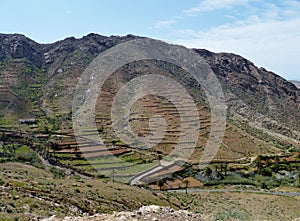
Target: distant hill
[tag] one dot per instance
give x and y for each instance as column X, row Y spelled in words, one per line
column 297, row 83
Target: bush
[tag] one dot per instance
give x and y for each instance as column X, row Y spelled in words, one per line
column 230, row 214
column 266, row 172
column 233, row 179
column 57, row 173
column 26, row 155
column 1, row 181
column 267, row 182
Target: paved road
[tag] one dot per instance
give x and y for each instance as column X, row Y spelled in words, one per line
column 163, row 164
column 136, row 179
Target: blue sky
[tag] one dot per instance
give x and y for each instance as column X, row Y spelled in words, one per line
column 265, row 31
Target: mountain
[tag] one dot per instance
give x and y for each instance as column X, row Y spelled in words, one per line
column 38, row 81
column 297, row 83
column 28, row 69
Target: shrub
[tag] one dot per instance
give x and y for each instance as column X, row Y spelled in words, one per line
column 1, row 181
column 57, row 173
column 266, row 172
column 26, row 155
column 230, row 214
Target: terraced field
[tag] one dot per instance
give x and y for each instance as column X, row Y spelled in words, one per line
column 159, row 123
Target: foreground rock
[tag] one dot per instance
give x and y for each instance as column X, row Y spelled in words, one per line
column 147, row 213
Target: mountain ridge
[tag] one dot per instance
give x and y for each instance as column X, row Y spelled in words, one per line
column 43, row 78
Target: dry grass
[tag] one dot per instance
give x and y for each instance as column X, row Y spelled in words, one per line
column 26, row 189
column 239, row 205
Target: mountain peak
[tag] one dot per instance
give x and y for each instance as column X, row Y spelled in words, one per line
column 18, row 46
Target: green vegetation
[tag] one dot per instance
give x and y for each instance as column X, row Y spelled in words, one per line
column 232, row 179
column 26, row 155
column 230, row 214
column 19, row 153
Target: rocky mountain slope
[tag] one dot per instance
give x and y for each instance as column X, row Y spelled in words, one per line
column 38, row 81
column 255, row 93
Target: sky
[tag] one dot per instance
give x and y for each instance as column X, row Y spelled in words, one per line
column 267, row 32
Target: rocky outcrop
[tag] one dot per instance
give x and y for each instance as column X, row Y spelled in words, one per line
column 18, row 46
column 256, row 94
column 147, row 213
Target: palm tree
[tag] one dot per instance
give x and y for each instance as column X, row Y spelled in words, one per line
column 276, row 158
column 225, row 168
column 186, row 182
column 208, row 172
column 258, row 164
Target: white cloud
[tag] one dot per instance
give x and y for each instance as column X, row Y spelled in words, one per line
column 269, row 36
column 211, row 5
column 272, row 11
column 273, row 44
column 164, row 24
